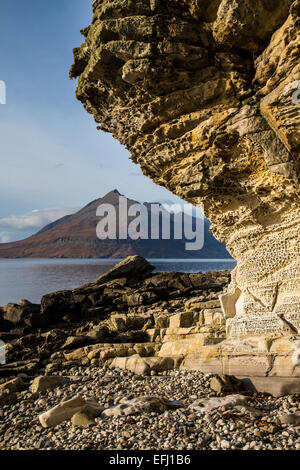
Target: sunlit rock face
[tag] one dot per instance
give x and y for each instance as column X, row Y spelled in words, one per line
column 204, row 95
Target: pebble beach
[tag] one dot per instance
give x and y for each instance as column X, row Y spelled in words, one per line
column 257, row 424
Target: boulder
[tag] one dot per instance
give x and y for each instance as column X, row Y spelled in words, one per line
column 14, row 313
column 55, row 305
column 83, row 419
column 82, row 300
column 131, row 268
column 212, row 317
column 122, row 322
column 5, row 325
column 76, row 354
column 65, row 410
column 29, row 306
column 160, row 364
column 8, row 391
column 144, row 365
column 119, row 322
column 74, row 342
column 146, row 349
column 131, row 337
column 46, row 382
column 86, row 415
column 12, row 386
column 135, row 364
column 24, row 312
column 99, row 334
column 225, row 384
column 37, row 320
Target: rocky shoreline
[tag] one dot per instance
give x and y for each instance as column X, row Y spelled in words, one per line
column 129, row 311
column 103, row 367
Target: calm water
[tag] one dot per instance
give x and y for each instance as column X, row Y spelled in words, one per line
column 32, row 278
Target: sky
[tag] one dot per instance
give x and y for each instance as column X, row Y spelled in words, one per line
column 53, row 160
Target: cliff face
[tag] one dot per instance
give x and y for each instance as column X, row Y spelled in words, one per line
column 204, row 95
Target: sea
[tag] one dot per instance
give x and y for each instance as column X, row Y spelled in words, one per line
column 31, row 278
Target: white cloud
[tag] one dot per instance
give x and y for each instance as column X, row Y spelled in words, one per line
column 32, row 221
column 5, row 237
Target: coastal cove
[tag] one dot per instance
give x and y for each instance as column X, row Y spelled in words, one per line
column 31, row 278
column 150, row 229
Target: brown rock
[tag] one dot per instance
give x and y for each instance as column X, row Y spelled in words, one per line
column 290, row 418
column 8, row 398
column 12, row 386
column 86, row 416
column 225, row 383
column 65, row 410
column 46, row 382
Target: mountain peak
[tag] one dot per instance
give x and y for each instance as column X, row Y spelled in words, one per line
column 74, row 236
column 113, row 191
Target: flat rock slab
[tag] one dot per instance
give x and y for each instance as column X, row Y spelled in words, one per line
column 205, row 405
column 46, row 382
column 276, row 386
column 140, row 405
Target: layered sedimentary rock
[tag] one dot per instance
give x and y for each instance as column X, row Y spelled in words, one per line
column 205, row 95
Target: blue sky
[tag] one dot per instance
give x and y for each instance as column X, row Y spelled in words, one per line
column 53, row 160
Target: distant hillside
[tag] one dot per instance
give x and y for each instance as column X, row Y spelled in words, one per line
column 74, row 236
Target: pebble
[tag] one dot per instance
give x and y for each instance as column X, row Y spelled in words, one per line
column 173, row 429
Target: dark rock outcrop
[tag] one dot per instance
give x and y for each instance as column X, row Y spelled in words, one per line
column 120, row 313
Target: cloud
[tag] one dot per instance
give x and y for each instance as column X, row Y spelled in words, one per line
column 5, row 237
column 31, row 221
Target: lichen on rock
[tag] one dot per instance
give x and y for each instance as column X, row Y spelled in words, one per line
column 201, row 93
